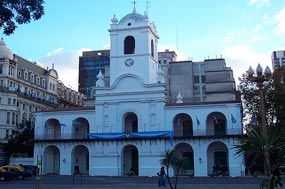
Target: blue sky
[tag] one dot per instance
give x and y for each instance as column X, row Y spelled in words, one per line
column 244, row 32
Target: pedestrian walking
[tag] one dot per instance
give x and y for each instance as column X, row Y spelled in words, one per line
column 161, row 174
column 276, row 176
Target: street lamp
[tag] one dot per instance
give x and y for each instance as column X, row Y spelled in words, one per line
column 259, row 78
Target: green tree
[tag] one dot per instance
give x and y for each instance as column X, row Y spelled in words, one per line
column 254, row 145
column 279, row 93
column 253, row 94
column 274, row 102
column 21, row 141
column 14, row 12
column 251, row 102
column 171, row 160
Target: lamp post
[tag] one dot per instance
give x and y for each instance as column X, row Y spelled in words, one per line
column 259, row 78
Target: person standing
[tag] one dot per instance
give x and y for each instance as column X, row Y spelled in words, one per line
column 276, row 176
column 131, row 172
column 161, row 174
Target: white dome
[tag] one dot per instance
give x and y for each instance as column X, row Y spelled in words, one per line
column 134, row 17
column 4, row 51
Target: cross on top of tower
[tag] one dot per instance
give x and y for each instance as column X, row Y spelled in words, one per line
column 147, row 6
column 134, row 2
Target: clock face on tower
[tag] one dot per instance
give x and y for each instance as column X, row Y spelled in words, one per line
column 129, row 62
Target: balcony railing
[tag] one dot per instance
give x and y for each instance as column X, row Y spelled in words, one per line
column 195, row 133
column 28, row 97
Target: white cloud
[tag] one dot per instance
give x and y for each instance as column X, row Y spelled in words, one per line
column 256, row 38
column 280, row 20
column 265, row 17
column 55, row 51
column 259, row 2
column 240, row 57
column 257, row 28
column 233, row 35
column 66, row 64
column 107, row 46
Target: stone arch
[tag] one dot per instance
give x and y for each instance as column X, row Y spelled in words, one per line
column 51, row 161
column 217, row 154
column 182, row 125
column 216, row 124
column 129, row 45
column 130, row 159
column 185, row 151
column 80, row 158
column 130, row 122
column 52, row 129
column 80, row 126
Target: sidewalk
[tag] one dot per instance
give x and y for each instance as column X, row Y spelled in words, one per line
column 105, row 182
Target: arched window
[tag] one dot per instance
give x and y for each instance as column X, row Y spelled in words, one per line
column 129, row 45
column 152, row 48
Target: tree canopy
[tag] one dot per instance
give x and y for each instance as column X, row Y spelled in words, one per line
column 21, row 141
column 251, row 102
column 279, row 93
column 170, row 159
column 13, row 12
column 257, row 147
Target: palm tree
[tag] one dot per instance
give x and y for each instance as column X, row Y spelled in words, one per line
column 171, row 160
column 256, row 145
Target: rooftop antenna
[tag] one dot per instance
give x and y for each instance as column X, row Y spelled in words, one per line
column 134, row 2
column 176, row 38
column 147, row 6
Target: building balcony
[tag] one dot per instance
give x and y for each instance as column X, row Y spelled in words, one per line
column 143, row 135
column 28, row 97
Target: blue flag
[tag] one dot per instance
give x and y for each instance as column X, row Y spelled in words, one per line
column 233, row 119
column 198, row 122
column 76, row 123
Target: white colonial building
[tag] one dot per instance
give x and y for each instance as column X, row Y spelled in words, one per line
column 133, row 123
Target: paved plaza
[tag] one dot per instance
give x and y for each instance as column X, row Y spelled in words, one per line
column 102, row 182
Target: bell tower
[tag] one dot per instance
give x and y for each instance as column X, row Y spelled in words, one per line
column 133, row 42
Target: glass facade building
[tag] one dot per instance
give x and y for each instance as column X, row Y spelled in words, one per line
column 278, row 59
column 90, row 64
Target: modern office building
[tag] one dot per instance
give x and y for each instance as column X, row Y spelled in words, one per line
column 26, row 87
column 90, row 64
column 135, row 120
column 278, row 59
